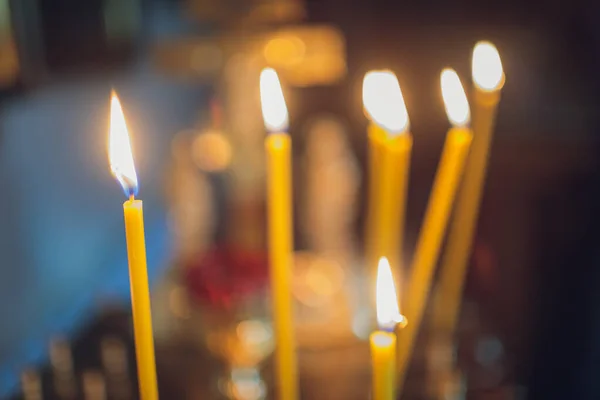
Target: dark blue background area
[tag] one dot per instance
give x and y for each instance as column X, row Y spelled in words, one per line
column 62, row 241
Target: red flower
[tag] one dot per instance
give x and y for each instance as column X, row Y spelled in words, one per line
column 224, row 276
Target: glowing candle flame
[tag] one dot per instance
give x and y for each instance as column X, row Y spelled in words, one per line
column 274, row 110
column 455, row 99
column 487, row 71
column 388, row 313
column 383, row 101
column 119, row 149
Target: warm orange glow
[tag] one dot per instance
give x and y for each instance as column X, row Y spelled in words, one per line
column 284, row 50
column 119, row 149
column 487, row 71
column 388, row 312
column 455, row 99
column 274, row 110
column 211, row 151
column 383, row 101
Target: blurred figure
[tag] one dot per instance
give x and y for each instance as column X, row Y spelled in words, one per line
column 31, row 385
column 331, row 182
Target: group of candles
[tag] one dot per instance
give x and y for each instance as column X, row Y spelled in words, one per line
column 390, row 144
column 465, row 150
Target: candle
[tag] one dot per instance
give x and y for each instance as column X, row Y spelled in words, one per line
column 278, row 146
column 488, row 78
column 383, row 341
column 390, row 146
column 430, row 238
column 122, row 166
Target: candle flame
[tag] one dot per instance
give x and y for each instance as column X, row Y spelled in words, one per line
column 455, row 99
column 383, row 101
column 388, row 312
column 274, row 110
column 487, row 71
column 119, row 149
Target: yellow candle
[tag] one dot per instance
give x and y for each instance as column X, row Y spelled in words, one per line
column 121, row 161
column 390, row 146
column 430, row 238
column 383, row 358
column 278, row 146
column 383, row 341
column 488, row 78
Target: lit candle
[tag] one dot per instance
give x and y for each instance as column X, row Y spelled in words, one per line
column 390, row 144
column 121, row 163
column 430, row 238
column 383, row 341
column 488, row 78
column 278, row 146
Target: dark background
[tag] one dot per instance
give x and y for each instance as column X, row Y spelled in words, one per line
column 536, row 278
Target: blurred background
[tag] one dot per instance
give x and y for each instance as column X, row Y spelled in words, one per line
column 187, row 75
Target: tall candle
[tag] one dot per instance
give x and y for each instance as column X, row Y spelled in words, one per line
column 122, row 166
column 383, row 341
column 278, row 146
column 488, row 79
column 390, row 144
column 438, row 211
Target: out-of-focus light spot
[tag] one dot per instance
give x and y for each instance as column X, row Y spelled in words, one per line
column 488, row 351
column 274, row 109
column 320, row 282
column 285, row 50
column 211, row 152
column 253, row 333
column 455, row 98
column 361, row 323
column 487, row 67
column 383, row 101
column 317, row 280
column 307, row 55
column 246, row 384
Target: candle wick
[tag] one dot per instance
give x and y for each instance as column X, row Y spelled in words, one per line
column 131, row 197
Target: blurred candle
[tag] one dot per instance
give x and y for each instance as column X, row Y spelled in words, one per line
column 488, row 78
column 383, row 341
column 113, row 353
column 121, row 163
column 432, row 232
column 390, row 145
column 63, row 373
column 31, row 385
column 278, row 146
column 94, row 387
